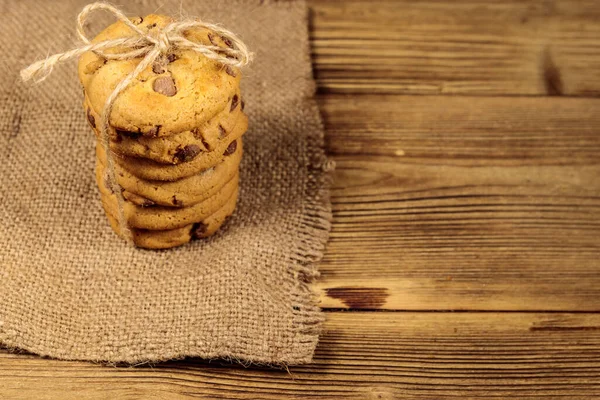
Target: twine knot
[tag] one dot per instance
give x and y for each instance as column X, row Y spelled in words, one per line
column 145, row 45
column 163, row 43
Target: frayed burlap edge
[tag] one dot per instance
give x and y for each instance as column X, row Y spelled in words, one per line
column 313, row 233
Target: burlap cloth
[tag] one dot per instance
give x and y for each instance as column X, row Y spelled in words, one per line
column 69, row 288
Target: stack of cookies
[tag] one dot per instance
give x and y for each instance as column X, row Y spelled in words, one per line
column 175, row 136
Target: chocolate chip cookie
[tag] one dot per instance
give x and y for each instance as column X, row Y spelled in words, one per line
column 178, row 147
column 163, row 218
column 176, row 237
column 180, row 193
column 152, row 170
column 180, row 92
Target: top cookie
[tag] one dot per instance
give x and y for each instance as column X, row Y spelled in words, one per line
column 180, row 91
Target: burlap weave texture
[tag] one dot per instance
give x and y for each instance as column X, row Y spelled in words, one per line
column 70, row 288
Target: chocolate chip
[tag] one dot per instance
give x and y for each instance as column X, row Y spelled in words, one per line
column 227, row 41
column 198, row 229
column 211, row 37
column 153, row 132
column 231, row 148
column 243, row 105
column 187, row 153
column 230, row 70
column 148, row 203
column 127, row 134
column 165, row 85
column 151, row 25
column 206, row 145
column 234, row 102
column 158, row 67
column 176, row 202
column 91, row 118
column 222, row 131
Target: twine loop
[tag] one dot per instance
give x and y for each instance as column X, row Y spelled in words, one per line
column 148, row 46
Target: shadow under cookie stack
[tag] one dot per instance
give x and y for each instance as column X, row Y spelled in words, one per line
column 175, row 137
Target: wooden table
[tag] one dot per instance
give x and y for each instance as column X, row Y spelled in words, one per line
column 464, row 259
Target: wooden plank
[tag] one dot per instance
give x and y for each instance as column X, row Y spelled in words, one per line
column 360, row 356
column 513, row 47
column 463, row 203
column 464, row 130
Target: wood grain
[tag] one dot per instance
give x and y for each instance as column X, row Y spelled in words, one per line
column 514, row 47
column 360, row 356
column 463, row 203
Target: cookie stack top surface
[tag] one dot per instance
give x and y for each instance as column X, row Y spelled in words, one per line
column 180, row 91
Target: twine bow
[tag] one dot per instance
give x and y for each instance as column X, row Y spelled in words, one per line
column 148, row 46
